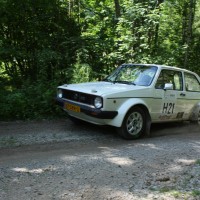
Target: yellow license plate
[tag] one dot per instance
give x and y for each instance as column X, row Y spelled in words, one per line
column 72, row 107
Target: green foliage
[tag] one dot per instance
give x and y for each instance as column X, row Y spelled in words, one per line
column 198, row 162
column 32, row 101
column 81, row 73
column 196, row 193
column 37, row 39
column 98, row 33
column 47, row 43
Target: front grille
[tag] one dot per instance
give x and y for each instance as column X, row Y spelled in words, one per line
column 78, row 97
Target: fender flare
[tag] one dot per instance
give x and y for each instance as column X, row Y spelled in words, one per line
column 125, row 107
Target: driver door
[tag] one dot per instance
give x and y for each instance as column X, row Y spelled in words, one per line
column 168, row 89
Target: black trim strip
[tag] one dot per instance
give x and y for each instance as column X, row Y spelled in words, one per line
column 188, row 99
column 192, row 91
column 100, row 114
column 146, row 98
column 94, row 112
column 134, row 98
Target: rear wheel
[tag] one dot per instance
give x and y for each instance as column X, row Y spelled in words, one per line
column 198, row 118
column 134, row 123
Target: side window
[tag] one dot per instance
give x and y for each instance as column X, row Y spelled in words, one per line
column 170, row 76
column 191, row 83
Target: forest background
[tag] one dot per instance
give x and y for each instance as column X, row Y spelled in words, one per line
column 45, row 43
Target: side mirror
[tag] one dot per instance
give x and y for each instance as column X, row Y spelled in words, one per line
column 168, row 86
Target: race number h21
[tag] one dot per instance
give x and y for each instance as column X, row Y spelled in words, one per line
column 168, row 108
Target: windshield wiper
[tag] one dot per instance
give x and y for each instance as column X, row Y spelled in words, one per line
column 107, row 80
column 125, row 82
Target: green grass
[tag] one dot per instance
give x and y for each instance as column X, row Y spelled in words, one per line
column 196, row 193
column 172, row 191
column 8, row 142
column 178, row 194
column 168, row 189
column 165, row 189
column 197, row 162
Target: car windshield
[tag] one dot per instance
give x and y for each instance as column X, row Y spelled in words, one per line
column 141, row 75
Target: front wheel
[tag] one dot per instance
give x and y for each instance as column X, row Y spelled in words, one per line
column 133, row 125
column 197, row 118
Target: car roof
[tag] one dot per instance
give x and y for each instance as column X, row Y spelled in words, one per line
column 161, row 67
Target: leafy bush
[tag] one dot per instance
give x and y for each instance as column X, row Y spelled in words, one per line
column 81, row 73
column 33, row 101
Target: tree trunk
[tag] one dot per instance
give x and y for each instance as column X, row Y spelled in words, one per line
column 117, row 9
column 157, row 26
column 187, row 30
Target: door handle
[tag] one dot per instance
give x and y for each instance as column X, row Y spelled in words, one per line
column 182, row 94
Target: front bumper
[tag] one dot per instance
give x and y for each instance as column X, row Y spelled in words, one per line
column 93, row 112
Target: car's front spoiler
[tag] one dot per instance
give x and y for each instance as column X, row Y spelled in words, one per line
column 88, row 110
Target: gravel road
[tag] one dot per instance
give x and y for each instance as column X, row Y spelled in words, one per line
column 56, row 159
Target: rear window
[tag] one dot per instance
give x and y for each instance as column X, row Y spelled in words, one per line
column 191, row 83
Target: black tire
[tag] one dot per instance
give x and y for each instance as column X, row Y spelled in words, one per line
column 197, row 120
column 134, row 124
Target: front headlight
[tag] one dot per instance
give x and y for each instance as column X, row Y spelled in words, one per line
column 98, row 102
column 59, row 93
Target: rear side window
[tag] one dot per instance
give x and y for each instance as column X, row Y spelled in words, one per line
column 191, row 83
column 170, row 76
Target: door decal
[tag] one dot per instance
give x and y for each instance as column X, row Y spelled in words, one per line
column 179, row 115
column 168, row 108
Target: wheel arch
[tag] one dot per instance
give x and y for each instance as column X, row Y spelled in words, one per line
column 147, row 117
column 126, row 107
column 133, row 126
column 142, row 106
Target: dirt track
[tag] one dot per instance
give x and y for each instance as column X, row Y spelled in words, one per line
column 58, row 160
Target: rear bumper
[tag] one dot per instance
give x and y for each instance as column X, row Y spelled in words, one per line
column 93, row 112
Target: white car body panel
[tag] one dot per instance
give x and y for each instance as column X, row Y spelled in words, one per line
column 101, row 88
column 162, row 105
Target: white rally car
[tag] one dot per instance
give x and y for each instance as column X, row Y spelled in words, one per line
column 133, row 97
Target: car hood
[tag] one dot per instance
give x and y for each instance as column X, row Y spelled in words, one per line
column 100, row 88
